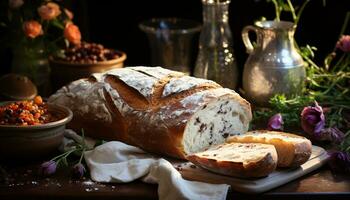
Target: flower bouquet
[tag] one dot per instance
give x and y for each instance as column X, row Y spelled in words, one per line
column 34, row 30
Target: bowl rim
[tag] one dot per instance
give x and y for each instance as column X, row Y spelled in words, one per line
column 107, row 62
column 66, row 119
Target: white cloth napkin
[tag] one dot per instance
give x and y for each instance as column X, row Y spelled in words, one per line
column 121, row 163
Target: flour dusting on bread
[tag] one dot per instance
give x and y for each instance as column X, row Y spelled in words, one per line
column 177, row 85
column 156, row 109
column 89, row 96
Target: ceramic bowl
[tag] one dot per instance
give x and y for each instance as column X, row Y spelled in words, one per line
column 27, row 142
column 63, row 72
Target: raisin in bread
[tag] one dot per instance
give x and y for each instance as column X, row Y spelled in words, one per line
column 159, row 110
column 246, row 160
column 292, row 150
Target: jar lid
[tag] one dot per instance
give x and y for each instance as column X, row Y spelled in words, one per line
column 17, row 87
column 216, row 1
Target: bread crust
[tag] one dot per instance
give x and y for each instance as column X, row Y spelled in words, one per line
column 291, row 153
column 136, row 111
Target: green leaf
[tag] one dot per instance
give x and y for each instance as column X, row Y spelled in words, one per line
column 2, row 24
column 285, row 7
column 57, row 24
column 308, row 51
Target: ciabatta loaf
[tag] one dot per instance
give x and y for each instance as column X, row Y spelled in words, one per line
column 159, row 110
column 292, row 150
column 238, row 159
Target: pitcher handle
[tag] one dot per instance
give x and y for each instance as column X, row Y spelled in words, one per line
column 246, row 40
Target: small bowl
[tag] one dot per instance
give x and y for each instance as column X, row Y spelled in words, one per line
column 28, row 142
column 63, row 72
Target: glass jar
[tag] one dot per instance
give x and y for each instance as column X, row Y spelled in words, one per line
column 171, row 41
column 216, row 60
column 33, row 63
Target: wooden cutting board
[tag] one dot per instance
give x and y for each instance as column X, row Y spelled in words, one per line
column 279, row 177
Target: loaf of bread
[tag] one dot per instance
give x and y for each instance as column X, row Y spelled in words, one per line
column 292, row 150
column 246, row 160
column 159, row 110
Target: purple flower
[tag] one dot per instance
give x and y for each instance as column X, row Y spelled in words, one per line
column 339, row 161
column 48, row 168
column 332, row 134
column 78, row 170
column 344, row 43
column 312, row 120
column 275, row 122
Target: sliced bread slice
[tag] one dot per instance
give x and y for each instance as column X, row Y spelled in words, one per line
column 245, row 160
column 292, row 150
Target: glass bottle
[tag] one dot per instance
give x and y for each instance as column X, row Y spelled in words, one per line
column 216, row 60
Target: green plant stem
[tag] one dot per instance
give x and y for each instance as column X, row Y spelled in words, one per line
column 339, row 62
column 345, row 24
column 292, row 11
column 84, row 145
column 83, row 138
column 308, row 60
column 57, row 39
column 339, row 104
column 300, row 12
column 81, row 156
column 277, row 10
column 61, row 155
column 64, row 156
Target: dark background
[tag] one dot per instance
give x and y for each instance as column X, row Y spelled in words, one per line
column 115, row 24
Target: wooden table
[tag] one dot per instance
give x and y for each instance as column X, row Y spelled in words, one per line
column 20, row 181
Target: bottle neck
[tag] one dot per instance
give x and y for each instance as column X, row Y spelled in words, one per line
column 215, row 10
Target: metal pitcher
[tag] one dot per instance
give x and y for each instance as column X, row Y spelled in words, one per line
column 274, row 65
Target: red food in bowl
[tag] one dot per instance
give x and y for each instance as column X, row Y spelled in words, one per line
column 24, row 113
column 36, row 130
